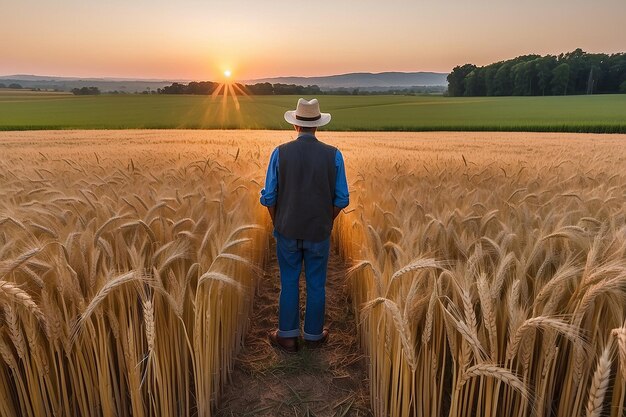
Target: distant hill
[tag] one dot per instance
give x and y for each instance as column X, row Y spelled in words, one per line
column 364, row 80
column 67, row 83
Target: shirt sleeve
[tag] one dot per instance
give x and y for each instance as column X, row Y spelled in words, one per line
column 342, row 197
column 270, row 192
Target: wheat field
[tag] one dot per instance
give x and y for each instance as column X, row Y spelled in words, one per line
column 490, row 274
column 488, row 269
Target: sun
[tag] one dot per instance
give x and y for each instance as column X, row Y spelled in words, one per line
column 227, row 73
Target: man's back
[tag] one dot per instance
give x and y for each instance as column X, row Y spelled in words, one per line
column 307, row 175
column 305, row 189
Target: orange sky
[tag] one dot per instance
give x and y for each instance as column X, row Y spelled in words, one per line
column 198, row 39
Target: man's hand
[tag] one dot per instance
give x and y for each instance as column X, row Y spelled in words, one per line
column 272, row 211
column 336, row 211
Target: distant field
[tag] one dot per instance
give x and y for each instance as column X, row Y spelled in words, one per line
column 11, row 94
column 28, row 110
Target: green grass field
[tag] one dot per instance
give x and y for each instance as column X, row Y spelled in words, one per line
column 28, row 110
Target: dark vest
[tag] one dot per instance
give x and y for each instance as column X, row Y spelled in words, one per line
column 306, row 189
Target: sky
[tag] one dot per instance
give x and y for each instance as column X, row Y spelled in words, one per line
column 200, row 39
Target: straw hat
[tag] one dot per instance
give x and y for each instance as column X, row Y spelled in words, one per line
column 307, row 114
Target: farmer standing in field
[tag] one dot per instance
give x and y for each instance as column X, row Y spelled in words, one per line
column 305, row 189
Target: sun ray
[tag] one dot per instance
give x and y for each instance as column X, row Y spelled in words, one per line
column 219, row 110
column 216, row 92
column 224, row 114
column 210, row 112
column 239, row 88
column 235, row 99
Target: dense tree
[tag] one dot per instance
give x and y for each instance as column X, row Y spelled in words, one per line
column 544, row 68
column 521, row 79
column 203, row 87
column 560, row 79
column 86, row 91
column 475, row 84
column 490, row 75
column 15, row 86
column 261, row 89
column 615, row 70
column 456, row 79
column 503, row 85
column 176, row 88
column 576, row 72
column 2, row 85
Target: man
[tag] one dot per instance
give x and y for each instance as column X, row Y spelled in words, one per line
column 305, row 190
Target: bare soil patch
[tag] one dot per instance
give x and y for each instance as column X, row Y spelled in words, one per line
column 330, row 381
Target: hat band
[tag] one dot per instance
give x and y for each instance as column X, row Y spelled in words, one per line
column 308, row 119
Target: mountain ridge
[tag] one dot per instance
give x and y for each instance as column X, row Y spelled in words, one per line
column 391, row 79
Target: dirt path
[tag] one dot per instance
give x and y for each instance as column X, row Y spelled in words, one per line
column 331, row 381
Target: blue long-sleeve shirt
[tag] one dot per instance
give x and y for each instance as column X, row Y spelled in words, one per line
column 270, row 192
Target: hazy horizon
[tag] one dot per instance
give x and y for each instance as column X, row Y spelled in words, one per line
column 192, row 40
column 77, row 77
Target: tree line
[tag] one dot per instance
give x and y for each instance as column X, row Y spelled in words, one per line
column 576, row 72
column 86, row 91
column 268, row 89
column 209, row 87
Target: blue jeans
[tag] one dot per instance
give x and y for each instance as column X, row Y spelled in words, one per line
column 291, row 253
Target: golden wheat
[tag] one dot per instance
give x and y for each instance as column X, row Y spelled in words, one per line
column 488, row 269
column 529, row 237
column 108, row 292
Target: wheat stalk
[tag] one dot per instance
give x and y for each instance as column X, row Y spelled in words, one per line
column 498, row 373
column 599, row 384
column 12, row 293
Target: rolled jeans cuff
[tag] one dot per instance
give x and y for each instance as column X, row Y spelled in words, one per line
column 288, row 333
column 313, row 337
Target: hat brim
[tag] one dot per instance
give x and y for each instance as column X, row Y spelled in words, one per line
column 290, row 117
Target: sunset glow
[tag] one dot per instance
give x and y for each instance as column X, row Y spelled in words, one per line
column 193, row 40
